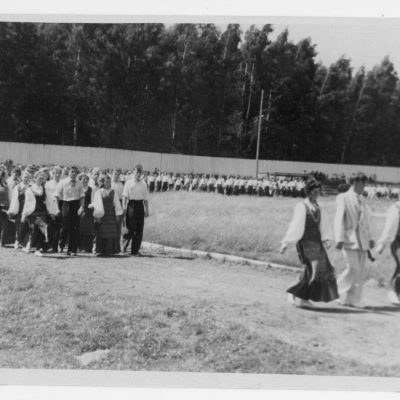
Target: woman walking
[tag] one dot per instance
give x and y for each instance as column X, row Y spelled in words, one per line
column 391, row 237
column 36, row 213
column 86, row 223
column 107, row 212
column 15, row 211
column 311, row 233
column 4, row 204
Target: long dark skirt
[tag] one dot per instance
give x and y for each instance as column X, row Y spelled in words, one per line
column 107, row 241
column 39, row 234
column 7, row 228
column 22, row 231
column 317, row 282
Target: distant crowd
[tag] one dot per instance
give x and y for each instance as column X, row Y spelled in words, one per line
column 227, row 185
column 102, row 210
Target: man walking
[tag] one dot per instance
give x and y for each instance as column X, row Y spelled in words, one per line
column 353, row 237
column 70, row 192
column 136, row 208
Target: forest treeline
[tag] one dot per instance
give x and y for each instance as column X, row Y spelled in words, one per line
column 194, row 89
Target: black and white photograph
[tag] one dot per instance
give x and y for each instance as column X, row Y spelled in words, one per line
column 213, row 196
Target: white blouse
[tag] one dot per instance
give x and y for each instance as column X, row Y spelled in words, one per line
column 391, row 225
column 98, row 206
column 30, row 199
column 51, row 201
column 297, row 225
column 14, row 204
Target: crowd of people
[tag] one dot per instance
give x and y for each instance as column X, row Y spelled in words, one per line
column 310, row 231
column 55, row 209
column 228, row 185
column 52, row 209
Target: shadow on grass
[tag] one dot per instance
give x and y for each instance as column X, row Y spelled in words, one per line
column 334, row 310
column 383, row 308
column 55, row 257
column 181, row 258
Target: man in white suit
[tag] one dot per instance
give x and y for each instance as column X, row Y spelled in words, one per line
column 353, row 237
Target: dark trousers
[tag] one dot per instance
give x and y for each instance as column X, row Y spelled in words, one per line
column 22, row 231
column 135, row 223
column 3, row 226
column 70, row 225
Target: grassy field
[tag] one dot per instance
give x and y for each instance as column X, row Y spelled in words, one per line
column 169, row 314
column 247, row 226
column 166, row 313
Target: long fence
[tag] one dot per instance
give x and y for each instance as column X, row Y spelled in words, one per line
column 28, row 153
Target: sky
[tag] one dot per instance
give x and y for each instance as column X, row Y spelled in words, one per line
column 365, row 42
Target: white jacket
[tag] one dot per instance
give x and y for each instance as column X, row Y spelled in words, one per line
column 351, row 226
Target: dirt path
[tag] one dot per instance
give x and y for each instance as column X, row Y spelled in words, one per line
column 252, row 296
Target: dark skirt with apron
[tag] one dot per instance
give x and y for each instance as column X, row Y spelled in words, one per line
column 107, row 241
column 318, row 281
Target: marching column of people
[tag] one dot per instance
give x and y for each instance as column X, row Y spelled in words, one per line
column 104, row 212
column 67, row 210
column 226, row 185
column 352, row 234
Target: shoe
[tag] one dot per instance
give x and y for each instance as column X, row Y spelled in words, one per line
column 38, row 253
column 68, row 253
column 305, row 304
column 26, row 249
column 16, row 245
column 60, row 249
column 137, row 254
column 291, row 299
column 358, row 305
column 394, row 298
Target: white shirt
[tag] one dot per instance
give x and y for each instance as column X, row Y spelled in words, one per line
column 118, row 188
column 51, row 202
column 135, row 190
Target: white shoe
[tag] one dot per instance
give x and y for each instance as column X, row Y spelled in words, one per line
column 26, row 249
column 291, row 299
column 305, row 304
column 38, row 253
column 393, row 297
column 16, row 245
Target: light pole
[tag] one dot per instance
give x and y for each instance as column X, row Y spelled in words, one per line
column 259, row 131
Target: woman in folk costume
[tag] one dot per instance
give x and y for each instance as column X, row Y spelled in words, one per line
column 391, row 236
column 36, row 213
column 311, row 232
column 86, row 222
column 15, row 211
column 107, row 212
column 4, row 204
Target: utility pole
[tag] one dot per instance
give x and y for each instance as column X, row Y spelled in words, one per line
column 259, row 131
column 76, row 76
